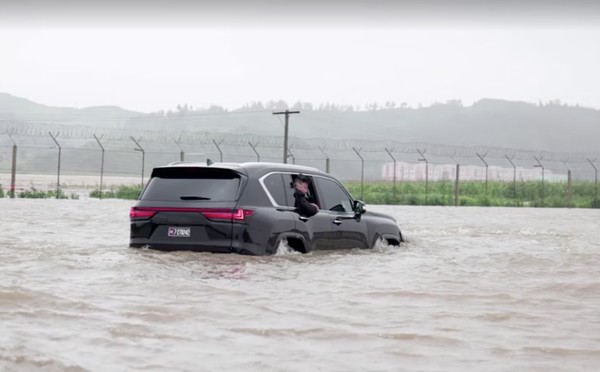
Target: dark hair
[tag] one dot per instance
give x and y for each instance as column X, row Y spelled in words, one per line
column 302, row 178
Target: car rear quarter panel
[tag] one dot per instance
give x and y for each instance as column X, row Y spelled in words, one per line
column 261, row 231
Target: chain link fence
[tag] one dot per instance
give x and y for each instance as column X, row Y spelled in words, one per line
column 47, row 156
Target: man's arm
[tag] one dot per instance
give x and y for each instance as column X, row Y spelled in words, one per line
column 307, row 209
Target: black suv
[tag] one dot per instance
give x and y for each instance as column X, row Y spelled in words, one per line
column 249, row 209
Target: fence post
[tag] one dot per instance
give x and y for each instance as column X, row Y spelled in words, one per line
column 181, row 152
column 139, row 148
column 54, row 136
column 394, row 185
column 326, row 160
column 569, row 185
column 254, row 149
column 219, row 148
column 486, row 170
column 423, row 158
column 595, row 203
column 13, row 169
column 514, row 177
column 456, row 183
column 362, row 171
column 540, row 165
column 101, row 164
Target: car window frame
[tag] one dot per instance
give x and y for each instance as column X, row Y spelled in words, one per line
column 313, row 187
column 345, row 191
column 268, row 192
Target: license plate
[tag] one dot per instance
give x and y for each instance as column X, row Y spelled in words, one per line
column 179, row 232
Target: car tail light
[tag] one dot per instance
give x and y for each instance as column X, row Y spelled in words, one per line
column 236, row 215
column 141, row 213
column 218, row 214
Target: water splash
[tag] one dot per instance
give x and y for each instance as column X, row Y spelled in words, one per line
column 283, row 249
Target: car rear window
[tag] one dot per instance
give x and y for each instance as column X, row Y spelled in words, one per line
column 192, row 184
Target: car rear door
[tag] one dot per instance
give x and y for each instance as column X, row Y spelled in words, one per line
column 317, row 229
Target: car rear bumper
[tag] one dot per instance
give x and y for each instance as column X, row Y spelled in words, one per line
column 239, row 247
column 143, row 243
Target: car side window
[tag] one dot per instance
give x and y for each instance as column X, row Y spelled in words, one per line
column 276, row 187
column 333, row 197
column 288, row 180
column 289, row 189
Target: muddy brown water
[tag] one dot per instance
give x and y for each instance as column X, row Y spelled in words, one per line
column 480, row 289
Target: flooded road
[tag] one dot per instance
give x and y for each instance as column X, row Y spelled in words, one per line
column 480, row 289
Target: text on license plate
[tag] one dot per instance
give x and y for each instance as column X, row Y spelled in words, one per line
column 179, row 232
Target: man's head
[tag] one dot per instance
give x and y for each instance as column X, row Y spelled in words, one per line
column 302, row 178
column 301, row 183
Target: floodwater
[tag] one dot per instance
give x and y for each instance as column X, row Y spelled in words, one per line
column 479, row 289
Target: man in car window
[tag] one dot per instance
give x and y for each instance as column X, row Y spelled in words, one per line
column 302, row 204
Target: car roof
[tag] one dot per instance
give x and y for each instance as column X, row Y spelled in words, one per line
column 249, row 168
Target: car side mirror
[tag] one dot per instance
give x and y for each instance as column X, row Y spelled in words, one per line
column 359, row 207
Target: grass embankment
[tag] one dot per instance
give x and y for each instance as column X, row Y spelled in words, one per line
column 473, row 193
column 34, row 193
column 119, row 192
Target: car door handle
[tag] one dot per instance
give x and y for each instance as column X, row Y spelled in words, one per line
column 337, row 221
column 302, row 218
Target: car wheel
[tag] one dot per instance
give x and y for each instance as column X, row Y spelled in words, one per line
column 382, row 243
column 289, row 245
column 379, row 244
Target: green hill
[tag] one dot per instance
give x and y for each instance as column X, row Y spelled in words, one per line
column 488, row 122
column 16, row 108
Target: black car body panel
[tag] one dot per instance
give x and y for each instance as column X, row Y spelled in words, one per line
column 249, row 209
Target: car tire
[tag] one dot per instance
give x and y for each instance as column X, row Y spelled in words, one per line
column 382, row 243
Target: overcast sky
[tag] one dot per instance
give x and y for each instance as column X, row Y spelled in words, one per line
column 154, row 55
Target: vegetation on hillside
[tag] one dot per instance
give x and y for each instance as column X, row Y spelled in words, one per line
column 550, row 126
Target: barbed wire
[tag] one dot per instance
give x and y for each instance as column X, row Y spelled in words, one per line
column 15, row 128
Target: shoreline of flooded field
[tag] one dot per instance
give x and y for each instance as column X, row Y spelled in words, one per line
column 490, row 289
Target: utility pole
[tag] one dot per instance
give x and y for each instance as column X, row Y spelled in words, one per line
column 287, row 114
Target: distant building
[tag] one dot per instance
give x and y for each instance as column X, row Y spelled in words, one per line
column 441, row 172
